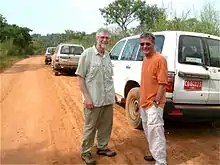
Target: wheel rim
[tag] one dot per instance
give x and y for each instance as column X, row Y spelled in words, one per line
column 134, row 109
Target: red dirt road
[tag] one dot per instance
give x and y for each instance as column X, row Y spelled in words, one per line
column 42, row 120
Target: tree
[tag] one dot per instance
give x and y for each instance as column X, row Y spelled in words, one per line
column 210, row 22
column 122, row 12
column 19, row 37
column 149, row 15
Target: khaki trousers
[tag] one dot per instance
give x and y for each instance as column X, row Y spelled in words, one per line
column 153, row 125
column 100, row 120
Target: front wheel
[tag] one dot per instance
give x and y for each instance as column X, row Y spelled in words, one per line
column 132, row 108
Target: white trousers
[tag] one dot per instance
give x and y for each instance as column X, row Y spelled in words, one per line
column 153, row 125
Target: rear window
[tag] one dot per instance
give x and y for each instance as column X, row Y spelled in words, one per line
column 66, row 49
column 51, row 50
column 191, row 50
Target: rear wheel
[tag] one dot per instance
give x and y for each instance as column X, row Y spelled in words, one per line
column 216, row 123
column 132, row 108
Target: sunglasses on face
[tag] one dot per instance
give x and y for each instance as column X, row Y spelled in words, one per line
column 145, row 43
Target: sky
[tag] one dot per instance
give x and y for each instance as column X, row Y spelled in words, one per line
column 56, row 16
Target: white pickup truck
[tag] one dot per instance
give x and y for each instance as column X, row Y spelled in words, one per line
column 193, row 91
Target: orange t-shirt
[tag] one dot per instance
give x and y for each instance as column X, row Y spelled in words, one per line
column 154, row 72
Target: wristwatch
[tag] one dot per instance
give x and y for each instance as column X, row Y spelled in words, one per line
column 156, row 102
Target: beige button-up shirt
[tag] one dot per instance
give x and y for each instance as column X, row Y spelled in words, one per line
column 97, row 71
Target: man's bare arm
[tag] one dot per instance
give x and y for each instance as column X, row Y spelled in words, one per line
column 162, row 79
column 88, row 101
column 82, row 86
column 160, row 92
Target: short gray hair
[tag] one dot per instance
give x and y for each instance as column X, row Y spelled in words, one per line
column 104, row 30
column 146, row 35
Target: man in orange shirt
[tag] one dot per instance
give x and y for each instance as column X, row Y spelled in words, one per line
column 154, row 78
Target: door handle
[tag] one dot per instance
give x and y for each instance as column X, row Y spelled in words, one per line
column 128, row 66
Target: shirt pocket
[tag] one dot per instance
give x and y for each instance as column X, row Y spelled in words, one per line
column 154, row 116
column 94, row 68
column 109, row 71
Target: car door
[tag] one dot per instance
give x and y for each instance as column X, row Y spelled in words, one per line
column 114, row 55
column 128, row 63
column 213, row 46
column 191, row 84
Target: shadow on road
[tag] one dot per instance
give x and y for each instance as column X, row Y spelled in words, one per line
column 38, row 153
column 16, row 68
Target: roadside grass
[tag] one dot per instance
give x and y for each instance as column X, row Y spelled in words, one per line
column 8, row 61
column 9, row 54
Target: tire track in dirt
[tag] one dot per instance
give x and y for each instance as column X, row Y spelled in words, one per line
column 9, row 78
column 72, row 118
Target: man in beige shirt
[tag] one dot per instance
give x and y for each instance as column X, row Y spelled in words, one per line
column 96, row 83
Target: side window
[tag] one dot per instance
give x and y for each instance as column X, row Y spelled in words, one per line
column 56, row 50
column 116, row 50
column 191, row 50
column 65, row 49
column 130, row 50
column 140, row 56
column 214, row 50
column 159, row 41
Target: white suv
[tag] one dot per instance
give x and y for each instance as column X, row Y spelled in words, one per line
column 194, row 75
column 66, row 57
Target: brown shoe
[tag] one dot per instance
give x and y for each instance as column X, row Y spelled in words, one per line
column 106, row 152
column 87, row 157
column 149, row 158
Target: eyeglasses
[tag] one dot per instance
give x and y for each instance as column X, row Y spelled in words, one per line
column 103, row 37
column 145, row 43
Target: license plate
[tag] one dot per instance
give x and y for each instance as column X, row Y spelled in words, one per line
column 193, row 85
column 64, row 60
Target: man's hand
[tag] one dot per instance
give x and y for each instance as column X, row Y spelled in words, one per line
column 88, row 103
column 156, row 105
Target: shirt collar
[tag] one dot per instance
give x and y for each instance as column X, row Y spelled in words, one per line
column 97, row 53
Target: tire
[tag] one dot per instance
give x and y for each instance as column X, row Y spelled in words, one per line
column 132, row 108
column 216, row 123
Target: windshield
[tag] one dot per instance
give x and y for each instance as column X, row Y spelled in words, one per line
column 50, row 50
column 66, row 49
